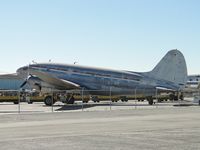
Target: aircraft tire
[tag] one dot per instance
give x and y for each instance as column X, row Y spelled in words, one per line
column 71, row 100
column 48, row 101
column 31, row 102
column 16, row 102
column 150, row 102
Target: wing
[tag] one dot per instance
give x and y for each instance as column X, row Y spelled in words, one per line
column 60, row 84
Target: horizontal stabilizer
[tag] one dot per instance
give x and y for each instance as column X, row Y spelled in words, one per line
column 164, row 89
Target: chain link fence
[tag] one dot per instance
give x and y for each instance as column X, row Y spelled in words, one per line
column 22, row 101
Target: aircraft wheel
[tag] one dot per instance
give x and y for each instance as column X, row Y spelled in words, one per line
column 150, row 100
column 48, row 101
column 30, row 102
column 95, row 99
column 71, row 100
column 181, row 97
column 173, row 97
column 124, row 99
column 16, row 102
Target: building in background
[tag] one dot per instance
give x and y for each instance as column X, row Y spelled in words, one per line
column 193, row 81
column 11, row 82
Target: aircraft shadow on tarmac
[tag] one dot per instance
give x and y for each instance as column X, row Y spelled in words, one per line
column 84, row 106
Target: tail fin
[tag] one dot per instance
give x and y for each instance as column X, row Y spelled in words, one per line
column 172, row 68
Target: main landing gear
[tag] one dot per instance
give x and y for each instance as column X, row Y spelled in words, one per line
column 49, row 100
column 150, row 100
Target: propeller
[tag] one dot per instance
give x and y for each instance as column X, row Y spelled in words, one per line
column 31, row 80
column 27, row 78
column 26, row 81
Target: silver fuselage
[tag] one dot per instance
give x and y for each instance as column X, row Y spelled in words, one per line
column 101, row 81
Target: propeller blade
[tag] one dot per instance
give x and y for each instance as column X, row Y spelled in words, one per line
column 40, row 87
column 23, row 84
column 26, row 81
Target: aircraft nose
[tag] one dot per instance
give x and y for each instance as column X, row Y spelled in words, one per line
column 23, row 71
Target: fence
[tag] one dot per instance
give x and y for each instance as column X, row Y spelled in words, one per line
column 78, row 100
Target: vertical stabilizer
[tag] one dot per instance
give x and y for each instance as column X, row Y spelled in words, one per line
column 172, row 68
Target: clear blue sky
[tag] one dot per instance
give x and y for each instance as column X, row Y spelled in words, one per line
column 119, row 34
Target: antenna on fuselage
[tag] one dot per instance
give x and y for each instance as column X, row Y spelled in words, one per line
column 34, row 62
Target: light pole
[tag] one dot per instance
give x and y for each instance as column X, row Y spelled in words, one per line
column 110, row 98
column 135, row 98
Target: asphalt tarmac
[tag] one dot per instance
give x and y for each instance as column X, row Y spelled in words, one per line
column 146, row 128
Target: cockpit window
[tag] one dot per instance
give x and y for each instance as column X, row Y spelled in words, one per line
column 25, row 68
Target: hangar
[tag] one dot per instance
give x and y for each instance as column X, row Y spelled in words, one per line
column 10, row 87
column 11, row 82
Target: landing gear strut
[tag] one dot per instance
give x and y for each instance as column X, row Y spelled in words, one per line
column 124, row 99
column 150, row 100
column 95, row 99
